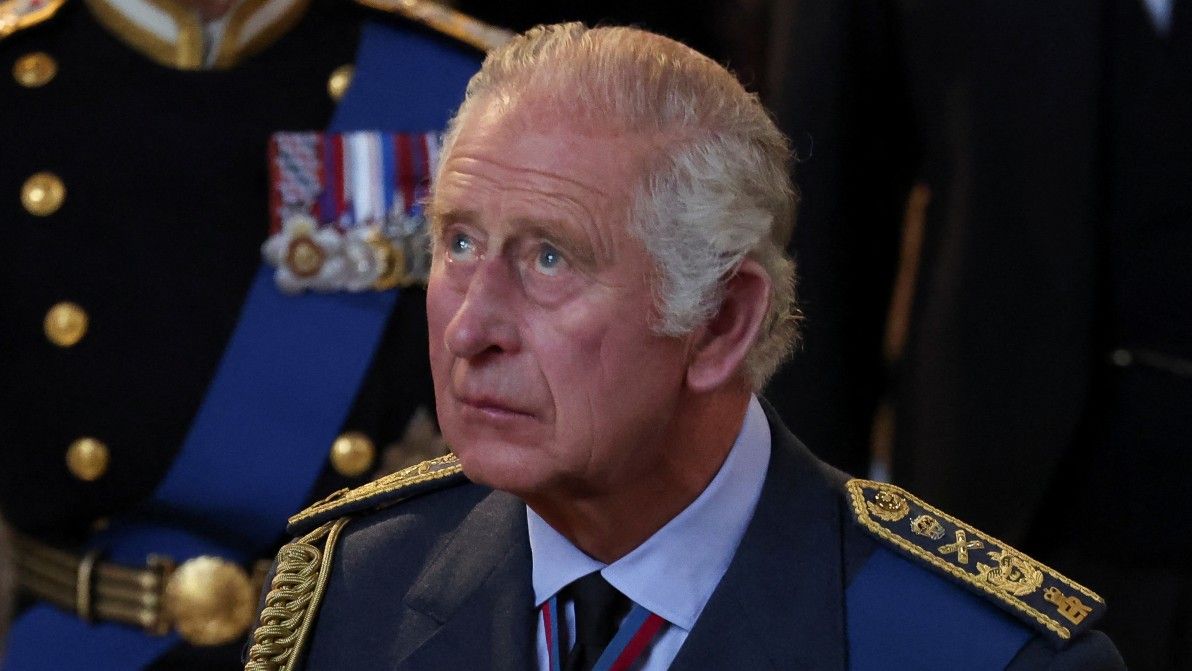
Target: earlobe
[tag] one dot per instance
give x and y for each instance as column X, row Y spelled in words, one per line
column 722, row 344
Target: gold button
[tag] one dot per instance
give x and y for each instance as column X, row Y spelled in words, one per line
column 353, row 454
column 210, row 601
column 66, row 324
column 35, row 69
column 339, row 81
column 87, row 458
column 43, row 194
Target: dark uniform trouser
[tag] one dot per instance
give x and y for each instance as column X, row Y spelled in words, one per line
column 1120, row 515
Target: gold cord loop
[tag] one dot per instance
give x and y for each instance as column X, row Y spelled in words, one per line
column 293, row 599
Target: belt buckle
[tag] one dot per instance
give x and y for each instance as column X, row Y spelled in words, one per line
column 207, row 600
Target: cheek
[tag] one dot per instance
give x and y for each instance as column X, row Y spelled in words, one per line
column 441, row 305
column 641, row 367
column 599, row 360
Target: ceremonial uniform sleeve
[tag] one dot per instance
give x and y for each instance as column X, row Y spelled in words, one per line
column 1091, row 652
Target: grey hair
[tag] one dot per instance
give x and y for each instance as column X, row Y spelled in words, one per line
column 716, row 191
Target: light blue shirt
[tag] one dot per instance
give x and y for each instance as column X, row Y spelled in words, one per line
column 674, row 572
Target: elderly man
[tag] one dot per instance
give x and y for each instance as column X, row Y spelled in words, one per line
column 608, row 291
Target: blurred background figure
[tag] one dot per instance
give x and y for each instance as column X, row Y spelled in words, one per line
column 996, row 228
column 168, row 395
column 731, row 31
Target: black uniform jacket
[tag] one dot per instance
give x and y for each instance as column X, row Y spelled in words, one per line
column 443, row 580
column 158, row 239
column 998, row 112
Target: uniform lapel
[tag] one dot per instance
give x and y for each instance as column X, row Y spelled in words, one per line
column 477, row 595
column 780, row 604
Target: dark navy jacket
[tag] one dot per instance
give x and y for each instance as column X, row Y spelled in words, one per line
column 442, row 580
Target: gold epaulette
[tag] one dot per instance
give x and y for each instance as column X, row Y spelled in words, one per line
column 460, row 26
column 20, row 14
column 403, row 484
column 1041, row 595
column 303, row 566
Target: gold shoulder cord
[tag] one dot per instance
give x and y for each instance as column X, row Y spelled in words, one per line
column 293, row 600
column 462, row 27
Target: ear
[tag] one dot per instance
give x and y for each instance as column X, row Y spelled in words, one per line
column 721, row 345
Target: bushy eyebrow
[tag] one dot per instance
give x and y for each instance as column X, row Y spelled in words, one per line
column 438, row 217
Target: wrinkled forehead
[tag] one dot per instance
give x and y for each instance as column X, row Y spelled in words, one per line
column 604, row 157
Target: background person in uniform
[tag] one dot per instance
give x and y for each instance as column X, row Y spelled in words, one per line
column 608, row 291
column 1039, row 344
column 731, row 31
column 135, row 191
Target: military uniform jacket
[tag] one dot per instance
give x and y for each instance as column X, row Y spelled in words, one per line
column 443, row 580
column 157, row 240
column 138, row 194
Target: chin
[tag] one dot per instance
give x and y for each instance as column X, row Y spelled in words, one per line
column 519, row 470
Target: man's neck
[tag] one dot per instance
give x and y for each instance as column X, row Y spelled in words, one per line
column 609, row 525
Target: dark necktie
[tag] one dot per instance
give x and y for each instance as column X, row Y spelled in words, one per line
column 599, row 608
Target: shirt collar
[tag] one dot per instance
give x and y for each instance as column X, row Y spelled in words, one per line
column 674, row 572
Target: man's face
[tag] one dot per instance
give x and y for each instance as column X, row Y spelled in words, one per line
column 547, row 375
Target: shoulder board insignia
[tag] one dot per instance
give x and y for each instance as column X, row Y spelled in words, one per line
column 20, row 14
column 406, row 483
column 455, row 24
column 1054, row 604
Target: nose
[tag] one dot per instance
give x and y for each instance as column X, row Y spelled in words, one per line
column 486, row 321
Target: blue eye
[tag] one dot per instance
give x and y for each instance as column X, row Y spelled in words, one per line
column 460, row 246
column 549, row 260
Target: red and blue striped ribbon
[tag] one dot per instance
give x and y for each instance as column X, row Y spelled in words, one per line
column 628, row 645
column 331, row 201
column 358, row 178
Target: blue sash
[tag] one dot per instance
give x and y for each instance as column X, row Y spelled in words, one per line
column 283, row 388
column 902, row 616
